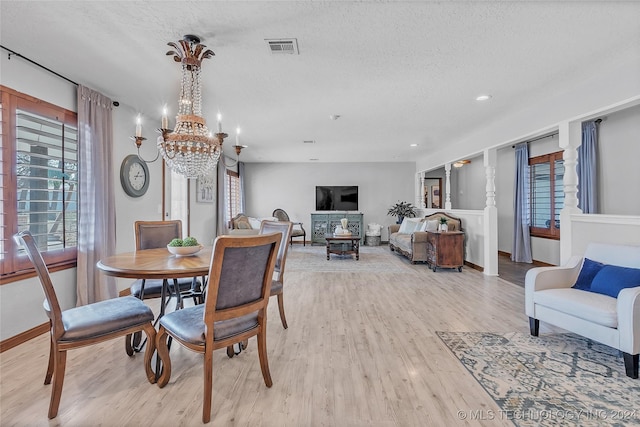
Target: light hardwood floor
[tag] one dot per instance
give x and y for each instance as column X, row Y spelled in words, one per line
column 361, row 350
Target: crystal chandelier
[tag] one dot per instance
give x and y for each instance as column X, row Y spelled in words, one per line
column 189, row 149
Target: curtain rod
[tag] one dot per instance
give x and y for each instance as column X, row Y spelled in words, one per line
column 598, row 121
column 11, row 52
column 551, row 135
column 537, row 139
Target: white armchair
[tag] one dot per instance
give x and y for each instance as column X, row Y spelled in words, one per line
column 615, row 322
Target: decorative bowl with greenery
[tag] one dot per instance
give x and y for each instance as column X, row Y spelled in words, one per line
column 188, row 246
column 401, row 210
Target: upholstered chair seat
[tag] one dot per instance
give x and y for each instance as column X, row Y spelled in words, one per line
column 187, row 325
column 104, row 317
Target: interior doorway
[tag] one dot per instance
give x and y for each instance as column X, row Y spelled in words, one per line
column 433, row 197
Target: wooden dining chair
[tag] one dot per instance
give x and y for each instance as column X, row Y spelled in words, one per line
column 85, row 325
column 152, row 235
column 235, row 307
column 284, row 228
column 158, row 234
column 277, row 285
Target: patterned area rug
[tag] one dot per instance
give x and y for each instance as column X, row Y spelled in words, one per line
column 373, row 259
column 559, row 379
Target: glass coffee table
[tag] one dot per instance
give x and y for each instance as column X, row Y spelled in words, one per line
column 343, row 245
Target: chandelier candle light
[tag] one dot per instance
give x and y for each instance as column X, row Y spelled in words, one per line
column 189, row 149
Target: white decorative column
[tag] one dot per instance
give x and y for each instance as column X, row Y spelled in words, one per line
column 447, row 186
column 569, row 139
column 490, row 215
column 422, row 203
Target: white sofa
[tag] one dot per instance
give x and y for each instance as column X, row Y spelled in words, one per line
column 549, row 297
column 242, row 224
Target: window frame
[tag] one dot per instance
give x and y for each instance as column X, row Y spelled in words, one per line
column 552, row 232
column 231, row 195
column 17, row 266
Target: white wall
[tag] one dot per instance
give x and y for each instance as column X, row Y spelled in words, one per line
column 472, row 225
column 292, row 187
column 614, row 229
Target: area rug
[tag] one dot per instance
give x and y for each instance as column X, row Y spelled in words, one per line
column 556, row 379
column 373, row 259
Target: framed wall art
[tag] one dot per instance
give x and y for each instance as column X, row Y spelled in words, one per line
column 205, row 189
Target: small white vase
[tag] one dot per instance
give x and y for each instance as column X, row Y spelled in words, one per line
column 344, row 222
column 444, row 228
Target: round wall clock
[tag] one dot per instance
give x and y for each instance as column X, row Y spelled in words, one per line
column 134, row 176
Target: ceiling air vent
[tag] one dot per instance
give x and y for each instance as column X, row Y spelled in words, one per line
column 280, row 46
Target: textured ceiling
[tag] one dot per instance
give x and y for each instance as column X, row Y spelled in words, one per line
column 397, row 73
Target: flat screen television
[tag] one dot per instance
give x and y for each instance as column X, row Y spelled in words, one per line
column 337, row 198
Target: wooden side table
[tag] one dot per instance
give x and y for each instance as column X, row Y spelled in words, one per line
column 445, row 249
column 343, row 245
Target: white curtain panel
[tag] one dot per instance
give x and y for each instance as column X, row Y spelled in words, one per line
column 96, row 209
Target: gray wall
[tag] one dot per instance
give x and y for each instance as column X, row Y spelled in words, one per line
column 292, row 187
column 619, row 154
column 469, row 185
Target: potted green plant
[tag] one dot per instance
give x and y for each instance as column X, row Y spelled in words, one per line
column 401, row 210
column 443, row 224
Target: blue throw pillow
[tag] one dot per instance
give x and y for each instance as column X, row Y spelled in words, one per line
column 611, row 279
column 587, row 273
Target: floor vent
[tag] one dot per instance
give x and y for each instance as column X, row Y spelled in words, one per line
column 283, row 46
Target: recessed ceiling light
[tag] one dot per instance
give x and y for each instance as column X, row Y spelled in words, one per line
column 483, row 98
column 413, row 145
column 313, row 160
column 309, row 141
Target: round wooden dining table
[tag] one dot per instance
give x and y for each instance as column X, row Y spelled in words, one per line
column 156, row 264
column 160, row 264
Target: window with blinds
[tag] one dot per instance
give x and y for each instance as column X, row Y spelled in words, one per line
column 39, row 180
column 232, row 196
column 546, row 194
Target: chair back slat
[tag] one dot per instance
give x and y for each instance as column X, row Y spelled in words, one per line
column 26, row 240
column 156, row 234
